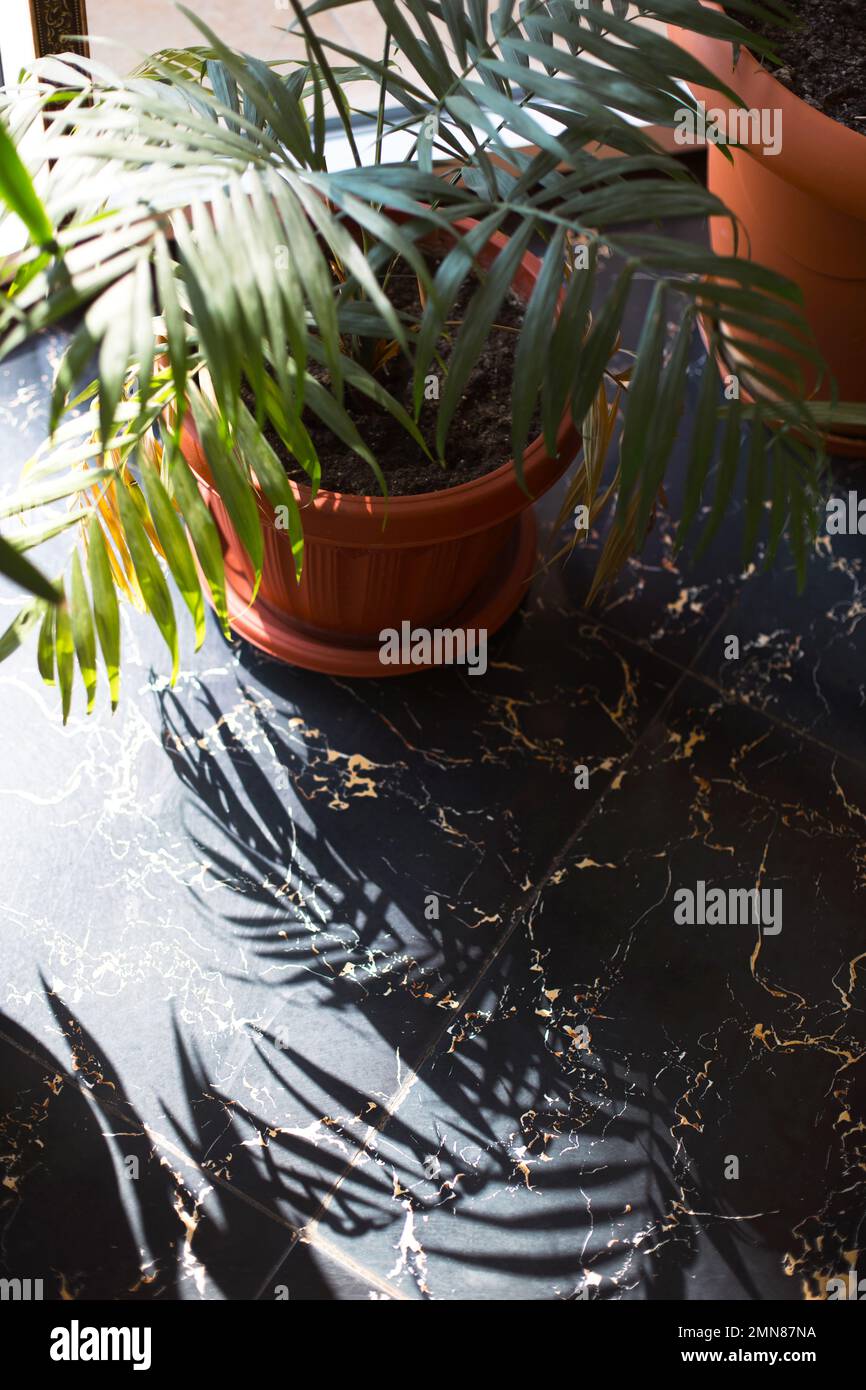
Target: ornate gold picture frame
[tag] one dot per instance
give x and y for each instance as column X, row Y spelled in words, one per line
column 53, row 22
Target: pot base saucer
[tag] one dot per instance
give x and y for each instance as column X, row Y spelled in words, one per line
column 490, row 604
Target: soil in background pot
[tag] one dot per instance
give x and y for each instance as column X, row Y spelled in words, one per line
column 824, row 58
column 479, row 438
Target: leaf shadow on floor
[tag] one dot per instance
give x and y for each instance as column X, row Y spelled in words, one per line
column 506, row 1119
column 97, row 1206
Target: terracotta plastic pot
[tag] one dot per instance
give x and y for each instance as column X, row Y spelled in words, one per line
column 461, row 557
column 803, row 210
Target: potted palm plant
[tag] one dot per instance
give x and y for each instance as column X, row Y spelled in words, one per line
column 248, row 319
column 801, row 204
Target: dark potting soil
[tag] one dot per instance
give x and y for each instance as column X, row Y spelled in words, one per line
column 824, row 59
column 479, row 438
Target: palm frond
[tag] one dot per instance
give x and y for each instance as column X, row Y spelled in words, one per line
column 224, row 278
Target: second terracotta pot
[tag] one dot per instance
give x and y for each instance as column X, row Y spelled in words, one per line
column 803, row 210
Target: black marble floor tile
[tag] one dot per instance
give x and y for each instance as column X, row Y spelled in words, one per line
column 280, row 938
column 239, row 925
column 574, row 1133
column 802, row 657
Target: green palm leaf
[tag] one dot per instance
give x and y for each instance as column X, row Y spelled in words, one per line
column 209, row 256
